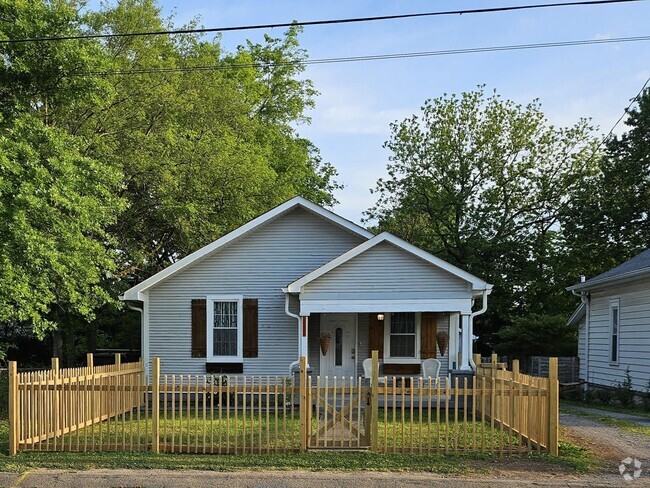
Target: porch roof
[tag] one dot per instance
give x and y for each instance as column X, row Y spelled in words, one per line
column 387, row 274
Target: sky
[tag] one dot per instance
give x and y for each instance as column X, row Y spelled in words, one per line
column 358, row 101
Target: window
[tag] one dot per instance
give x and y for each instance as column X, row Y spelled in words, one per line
column 224, row 322
column 402, row 335
column 615, row 325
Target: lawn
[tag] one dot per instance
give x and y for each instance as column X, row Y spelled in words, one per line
column 572, row 459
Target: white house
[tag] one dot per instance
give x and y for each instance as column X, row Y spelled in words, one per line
column 614, row 324
column 256, row 299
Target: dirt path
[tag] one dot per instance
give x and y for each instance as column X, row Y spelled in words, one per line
column 609, row 443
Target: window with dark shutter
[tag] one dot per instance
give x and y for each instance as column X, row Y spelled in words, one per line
column 199, row 328
column 250, row 328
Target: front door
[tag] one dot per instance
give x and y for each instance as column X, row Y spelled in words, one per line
column 340, row 359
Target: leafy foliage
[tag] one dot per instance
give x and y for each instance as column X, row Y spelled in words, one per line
column 107, row 177
column 481, row 182
column 537, row 335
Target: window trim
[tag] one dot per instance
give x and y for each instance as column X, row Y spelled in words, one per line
column 614, row 303
column 400, row 359
column 210, row 300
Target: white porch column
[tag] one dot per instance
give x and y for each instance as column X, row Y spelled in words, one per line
column 304, row 348
column 466, row 343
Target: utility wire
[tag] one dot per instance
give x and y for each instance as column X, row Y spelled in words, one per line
column 321, row 22
column 378, row 57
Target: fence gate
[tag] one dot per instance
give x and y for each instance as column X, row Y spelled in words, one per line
column 338, row 413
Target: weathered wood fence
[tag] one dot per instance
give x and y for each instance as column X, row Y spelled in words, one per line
column 116, row 408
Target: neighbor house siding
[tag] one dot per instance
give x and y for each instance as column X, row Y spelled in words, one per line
column 386, row 272
column 582, row 349
column 256, row 266
column 634, row 341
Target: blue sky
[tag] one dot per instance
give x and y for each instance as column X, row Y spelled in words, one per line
column 359, row 100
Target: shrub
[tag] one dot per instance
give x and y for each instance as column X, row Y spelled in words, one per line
column 604, row 396
column 623, row 392
column 646, row 398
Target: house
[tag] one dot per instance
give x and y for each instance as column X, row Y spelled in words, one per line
column 258, row 298
column 614, row 324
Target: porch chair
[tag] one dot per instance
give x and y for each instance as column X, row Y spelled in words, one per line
column 367, row 371
column 431, row 369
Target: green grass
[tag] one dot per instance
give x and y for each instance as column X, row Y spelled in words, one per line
column 607, row 408
column 572, row 459
column 625, row 425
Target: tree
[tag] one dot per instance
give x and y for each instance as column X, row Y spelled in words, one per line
column 537, row 335
column 607, row 221
column 55, row 205
column 481, row 182
column 183, row 156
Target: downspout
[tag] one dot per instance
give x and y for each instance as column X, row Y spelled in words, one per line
column 471, row 325
column 294, row 364
column 584, row 299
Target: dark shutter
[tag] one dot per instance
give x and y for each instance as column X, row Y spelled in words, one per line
column 428, row 331
column 375, row 335
column 198, row 328
column 250, row 327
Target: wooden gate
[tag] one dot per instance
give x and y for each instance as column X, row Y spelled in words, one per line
column 338, row 413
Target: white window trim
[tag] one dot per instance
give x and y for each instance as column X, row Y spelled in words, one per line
column 614, row 303
column 210, row 357
column 388, row 359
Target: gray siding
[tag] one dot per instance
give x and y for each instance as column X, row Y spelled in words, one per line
column 385, row 272
column 634, row 342
column 256, row 266
column 582, row 338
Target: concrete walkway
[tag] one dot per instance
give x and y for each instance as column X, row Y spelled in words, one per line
column 289, row 479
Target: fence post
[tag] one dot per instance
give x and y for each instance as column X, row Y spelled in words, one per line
column 553, row 406
column 374, row 403
column 13, row 408
column 477, row 361
column 515, row 366
column 118, row 360
column 55, row 395
column 90, row 362
column 155, row 405
column 304, row 408
column 493, row 363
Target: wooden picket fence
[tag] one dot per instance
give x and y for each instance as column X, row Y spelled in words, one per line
column 116, row 408
column 48, row 409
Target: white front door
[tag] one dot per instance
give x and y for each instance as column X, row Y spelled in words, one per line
column 340, row 359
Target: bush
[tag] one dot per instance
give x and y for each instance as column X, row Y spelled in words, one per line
column 623, row 392
column 646, row 398
column 604, row 396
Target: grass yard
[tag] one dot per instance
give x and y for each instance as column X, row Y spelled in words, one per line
column 572, row 459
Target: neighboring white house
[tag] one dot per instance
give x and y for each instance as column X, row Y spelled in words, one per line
column 256, row 299
column 614, row 324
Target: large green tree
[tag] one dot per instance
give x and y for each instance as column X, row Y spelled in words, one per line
column 188, row 141
column 481, row 182
column 608, row 219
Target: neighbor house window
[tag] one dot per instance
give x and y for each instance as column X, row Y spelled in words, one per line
column 225, row 328
column 615, row 329
column 402, row 332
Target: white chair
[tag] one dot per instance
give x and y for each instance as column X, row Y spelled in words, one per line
column 367, row 371
column 431, row 369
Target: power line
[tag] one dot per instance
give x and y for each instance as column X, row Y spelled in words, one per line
column 377, row 57
column 321, row 22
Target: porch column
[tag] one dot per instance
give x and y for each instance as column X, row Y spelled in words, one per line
column 466, row 343
column 304, row 348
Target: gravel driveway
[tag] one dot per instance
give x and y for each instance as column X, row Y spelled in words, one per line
column 610, row 443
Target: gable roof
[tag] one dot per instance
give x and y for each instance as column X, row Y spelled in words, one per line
column 477, row 283
column 134, row 293
column 638, row 266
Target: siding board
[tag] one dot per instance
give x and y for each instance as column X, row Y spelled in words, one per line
column 256, row 266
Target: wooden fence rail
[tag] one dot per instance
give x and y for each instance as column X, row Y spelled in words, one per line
column 116, row 408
